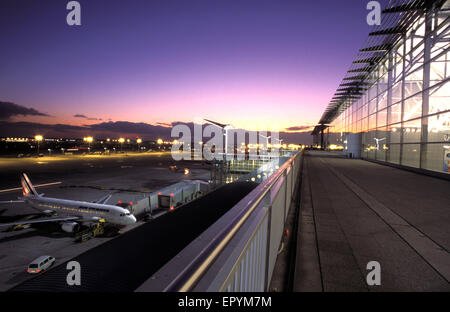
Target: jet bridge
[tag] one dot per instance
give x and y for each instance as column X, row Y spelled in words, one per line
column 170, row 197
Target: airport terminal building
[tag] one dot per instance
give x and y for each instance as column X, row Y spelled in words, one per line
column 393, row 104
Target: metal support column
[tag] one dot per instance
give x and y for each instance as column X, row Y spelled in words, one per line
column 389, row 105
column 402, row 99
column 426, row 87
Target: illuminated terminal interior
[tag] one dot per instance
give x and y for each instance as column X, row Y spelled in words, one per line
column 393, row 105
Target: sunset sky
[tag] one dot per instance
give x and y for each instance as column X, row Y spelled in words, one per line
column 252, row 63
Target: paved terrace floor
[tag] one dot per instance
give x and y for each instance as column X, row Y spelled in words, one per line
column 354, row 211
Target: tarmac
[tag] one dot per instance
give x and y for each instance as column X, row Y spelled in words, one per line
column 128, row 177
column 353, row 212
column 124, row 263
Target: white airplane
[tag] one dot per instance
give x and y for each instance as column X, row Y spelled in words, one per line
column 70, row 212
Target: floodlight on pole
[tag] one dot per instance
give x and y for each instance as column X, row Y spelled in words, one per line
column 89, row 139
column 38, row 139
column 139, row 141
column 121, row 141
column 266, row 137
column 225, row 128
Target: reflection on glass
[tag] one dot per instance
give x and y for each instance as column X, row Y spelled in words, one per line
column 412, row 131
column 395, row 133
column 397, row 92
column 411, row 155
column 439, row 128
column 437, row 157
column 395, row 113
column 393, row 155
column 440, row 98
column 412, row 107
column 372, row 121
column 381, row 118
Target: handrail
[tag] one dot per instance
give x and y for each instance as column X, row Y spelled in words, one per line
column 190, row 275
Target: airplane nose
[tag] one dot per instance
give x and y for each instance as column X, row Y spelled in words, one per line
column 132, row 219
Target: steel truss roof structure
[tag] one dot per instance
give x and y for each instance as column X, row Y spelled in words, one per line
column 397, row 18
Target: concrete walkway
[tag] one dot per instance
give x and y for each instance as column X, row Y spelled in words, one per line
column 353, row 212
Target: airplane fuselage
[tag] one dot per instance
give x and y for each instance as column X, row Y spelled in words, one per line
column 84, row 210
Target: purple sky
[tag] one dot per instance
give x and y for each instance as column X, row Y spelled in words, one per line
column 252, row 63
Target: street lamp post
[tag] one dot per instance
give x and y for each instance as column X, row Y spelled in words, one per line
column 89, row 140
column 38, row 138
column 225, row 129
column 139, row 141
column 222, row 164
column 265, row 146
column 159, row 142
column 121, row 140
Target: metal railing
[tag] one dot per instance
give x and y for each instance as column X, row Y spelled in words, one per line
column 238, row 252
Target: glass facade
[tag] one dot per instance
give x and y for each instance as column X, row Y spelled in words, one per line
column 403, row 117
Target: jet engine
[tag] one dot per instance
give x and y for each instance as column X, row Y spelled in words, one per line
column 70, row 227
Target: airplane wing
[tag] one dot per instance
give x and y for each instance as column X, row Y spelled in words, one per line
column 40, row 221
column 11, row 201
column 104, row 199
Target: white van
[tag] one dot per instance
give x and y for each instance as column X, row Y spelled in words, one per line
column 40, row 264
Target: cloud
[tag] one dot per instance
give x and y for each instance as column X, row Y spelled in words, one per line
column 164, row 124
column 135, row 128
column 85, row 117
column 8, row 110
column 299, row 129
column 99, row 130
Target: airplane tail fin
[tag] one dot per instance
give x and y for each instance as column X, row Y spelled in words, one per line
column 27, row 188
